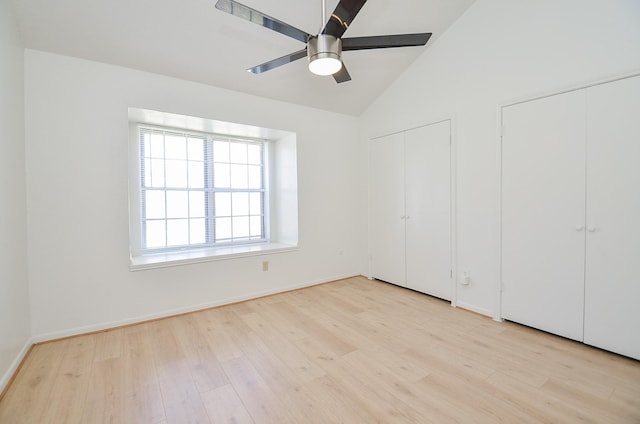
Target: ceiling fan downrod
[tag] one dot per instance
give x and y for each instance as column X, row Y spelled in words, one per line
column 324, row 51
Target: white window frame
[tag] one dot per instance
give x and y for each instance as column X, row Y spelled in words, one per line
column 280, row 232
column 209, row 191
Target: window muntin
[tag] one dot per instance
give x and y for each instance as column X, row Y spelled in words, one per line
column 200, row 190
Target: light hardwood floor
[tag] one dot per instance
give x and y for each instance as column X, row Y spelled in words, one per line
column 351, row 351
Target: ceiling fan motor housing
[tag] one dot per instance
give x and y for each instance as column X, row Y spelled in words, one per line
column 324, row 46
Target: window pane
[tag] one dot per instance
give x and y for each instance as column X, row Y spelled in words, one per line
column 239, row 177
column 223, row 228
column 157, row 173
column 238, row 153
column 176, row 173
column 146, row 147
column 196, row 174
column 175, row 146
column 254, row 154
column 220, row 151
column 255, row 176
column 147, row 173
column 240, row 205
column 177, row 204
column 255, row 223
column 196, row 204
column 155, row 146
column 221, row 175
column 196, row 148
column 255, row 203
column 240, row 227
column 177, row 232
column 197, row 231
column 223, row 204
column 155, row 232
column 154, row 204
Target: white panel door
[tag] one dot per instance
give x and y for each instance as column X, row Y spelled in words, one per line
column 612, row 289
column 543, row 213
column 428, row 209
column 386, row 209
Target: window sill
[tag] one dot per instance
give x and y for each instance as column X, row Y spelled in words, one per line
column 162, row 260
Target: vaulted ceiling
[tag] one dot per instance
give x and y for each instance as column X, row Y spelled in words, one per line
column 192, row 40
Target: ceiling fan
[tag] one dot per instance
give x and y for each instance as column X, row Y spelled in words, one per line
column 324, row 50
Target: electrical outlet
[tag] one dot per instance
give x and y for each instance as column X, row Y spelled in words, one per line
column 265, row 265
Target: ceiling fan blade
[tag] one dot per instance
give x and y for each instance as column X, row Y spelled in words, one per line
column 342, row 75
column 278, row 62
column 385, row 41
column 342, row 17
column 252, row 15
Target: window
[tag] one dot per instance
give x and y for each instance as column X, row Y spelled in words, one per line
column 200, row 190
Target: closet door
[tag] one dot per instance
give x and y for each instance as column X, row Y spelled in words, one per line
column 428, row 209
column 612, row 297
column 386, row 209
column 543, row 210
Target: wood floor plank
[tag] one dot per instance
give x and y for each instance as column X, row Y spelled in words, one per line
column 278, row 368
column 225, row 406
column 626, row 400
column 108, row 344
column 358, row 386
column 145, row 405
column 301, row 367
column 602, row 410
column 400, row 365
column 538, row 405
column 404, row 392
column 486, row 406
column 338, row 404
column 139, row 362
column 205, row 369
column 314, row 326
column 27, row 399
column 181, row 399
column 337, row 322
column 221, row 342
column 350, row 351
column 261, row 402
column 67, row 400
column 105, row 396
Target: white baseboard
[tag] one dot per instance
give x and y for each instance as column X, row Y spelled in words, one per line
column 168, row 313
column 473, row 308
column 13, row 368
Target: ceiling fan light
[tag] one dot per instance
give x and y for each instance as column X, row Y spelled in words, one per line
column 324, row 53
column 325, row 65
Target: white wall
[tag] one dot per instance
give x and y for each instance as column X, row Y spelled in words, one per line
column 14, row 289
column 77, row 138
column 498, row 51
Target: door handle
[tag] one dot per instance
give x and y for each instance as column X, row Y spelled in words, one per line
column 579, row 228
column 592, row 229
